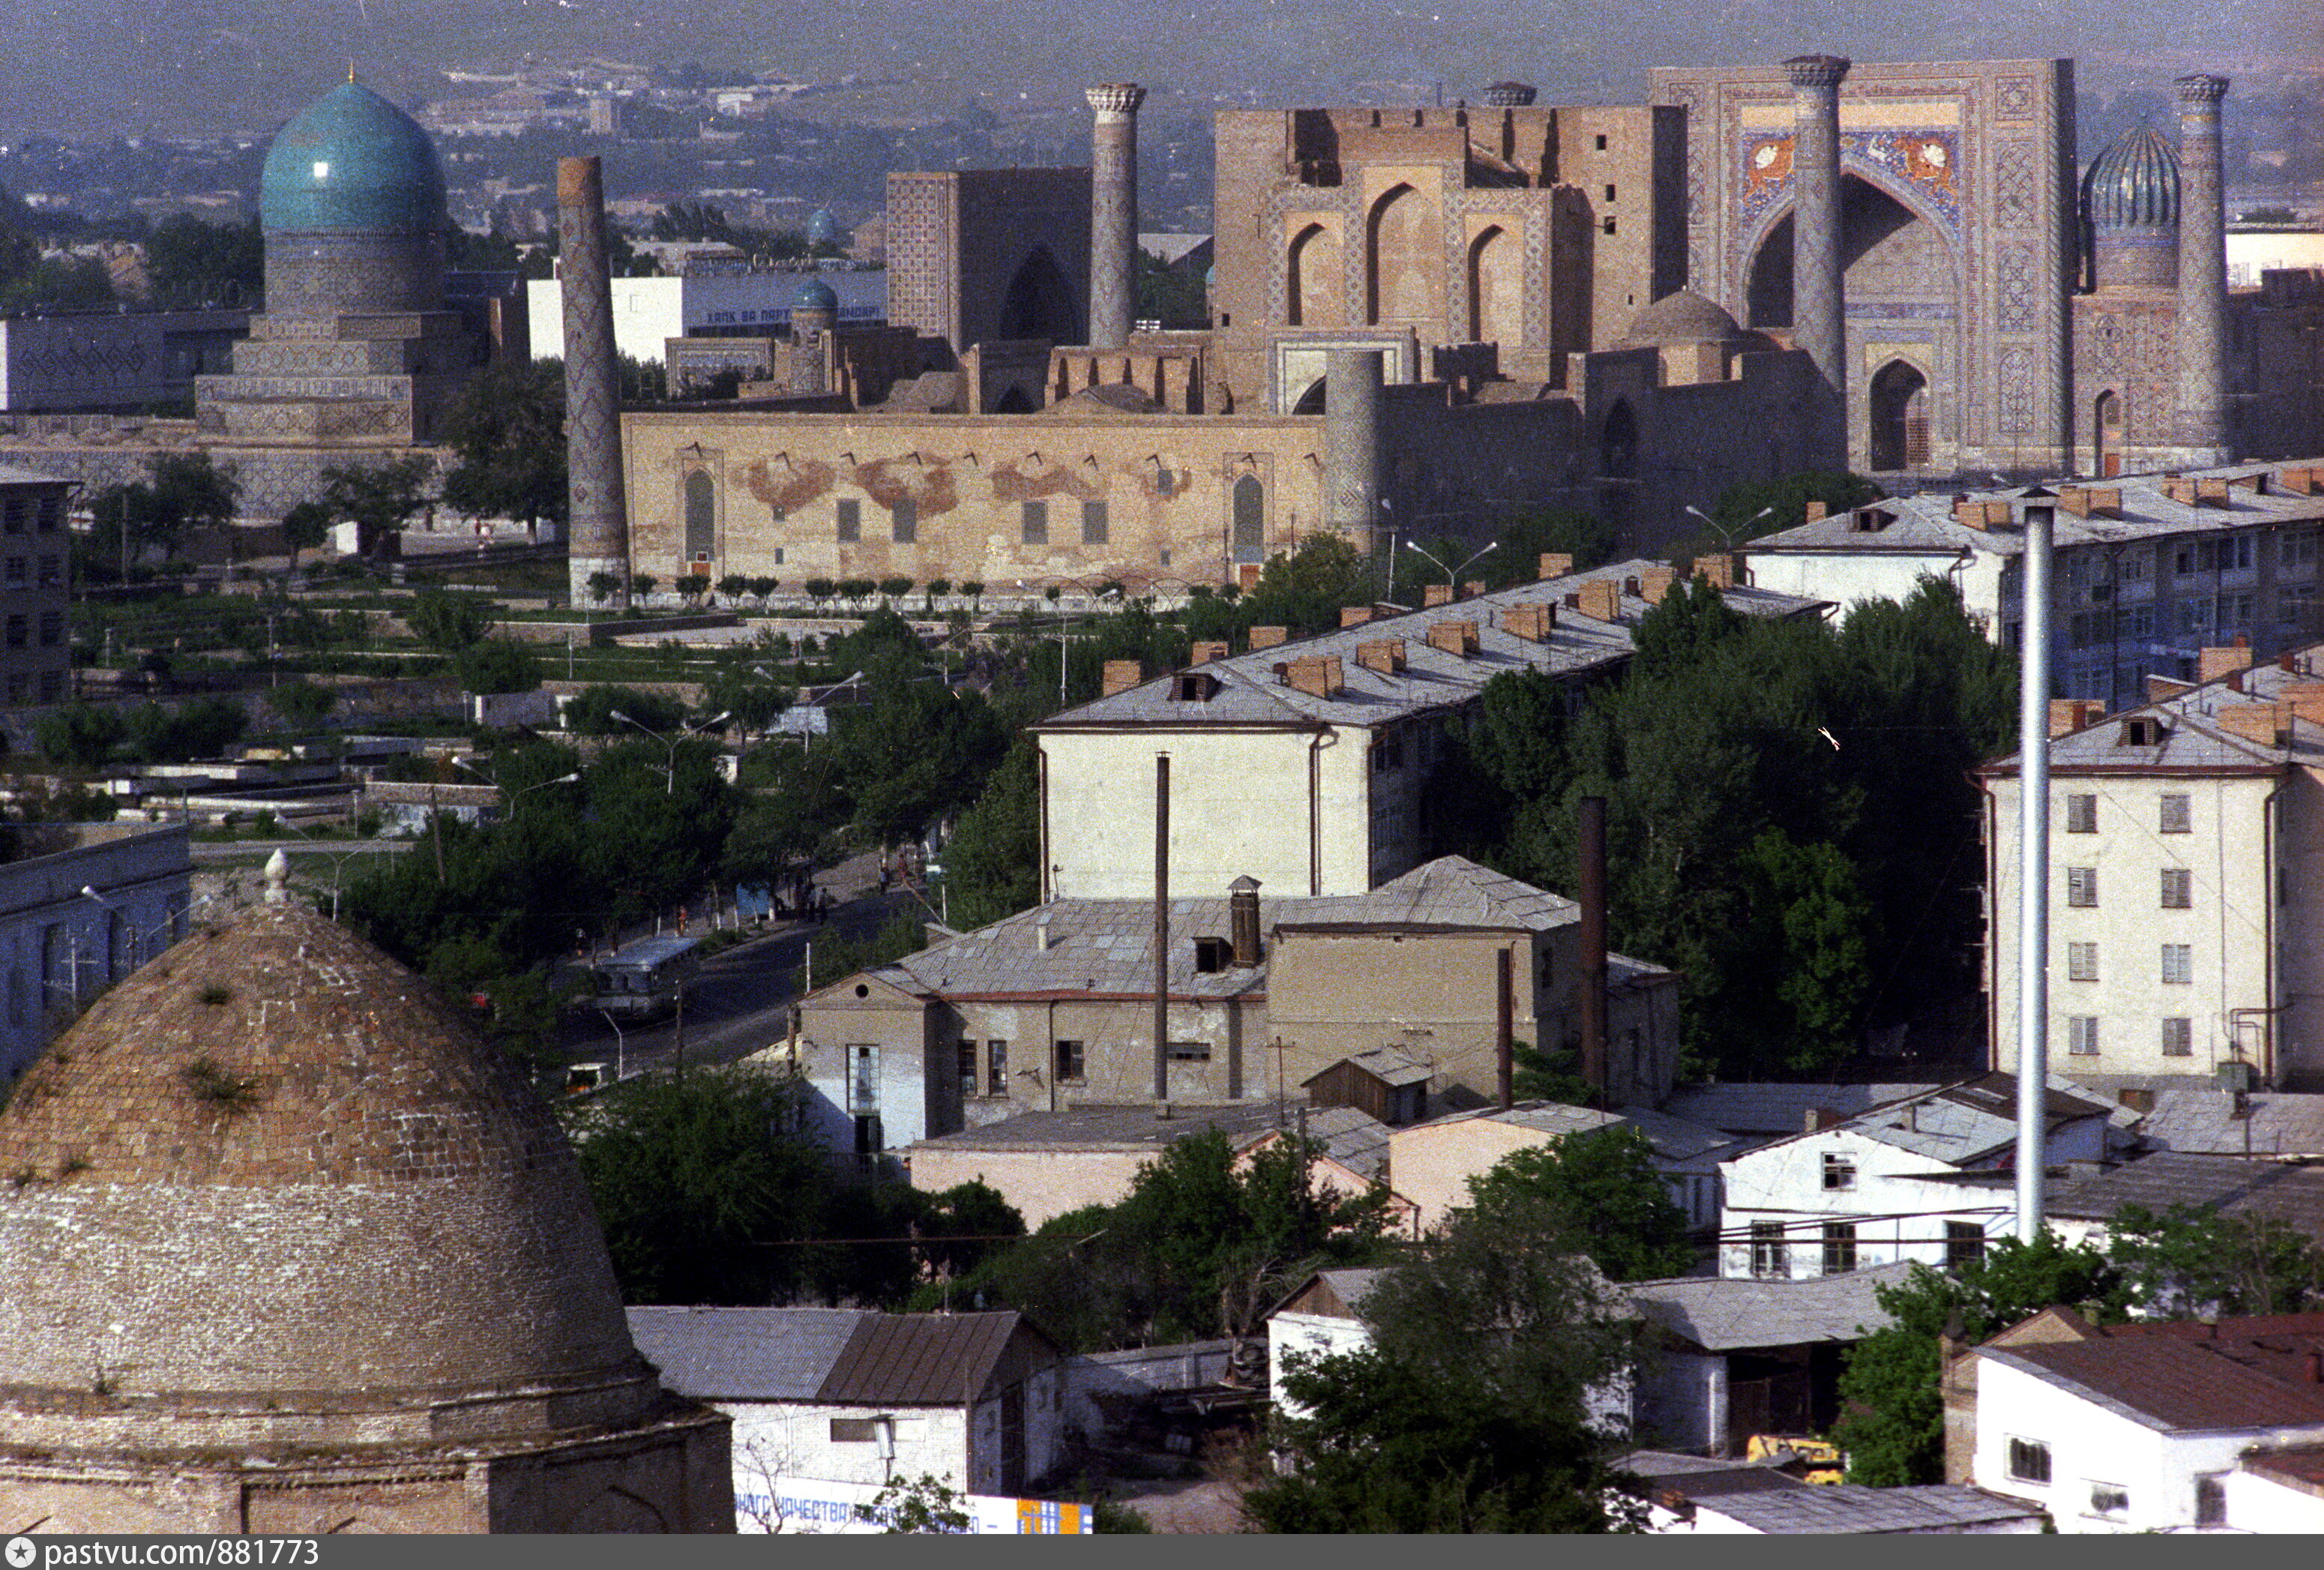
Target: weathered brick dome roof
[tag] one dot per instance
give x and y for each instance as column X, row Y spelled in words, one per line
column 1682, row 316
column 274, row 1188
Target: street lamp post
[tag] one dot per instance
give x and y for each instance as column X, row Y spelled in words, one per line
column 669, row 773
column 1452, row 574
column 1726, row 535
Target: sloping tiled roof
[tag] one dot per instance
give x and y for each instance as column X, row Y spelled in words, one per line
column 2227, row 1184
column 1251, row 693
column 2189, row 1375
column 2199, row 1118
column 744, row 1354
column 1779, row 1109
column 2191, row 734
column 919, row 1360
column 1724, row 1315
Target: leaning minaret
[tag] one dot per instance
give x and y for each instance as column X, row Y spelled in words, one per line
column 1113, row 213
column 598, row 533
column 1818, row 315
column 2202, row 275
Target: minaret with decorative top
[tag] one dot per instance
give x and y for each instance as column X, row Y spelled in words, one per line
column 1113, row 213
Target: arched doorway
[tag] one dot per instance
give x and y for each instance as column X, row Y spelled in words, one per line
column 2105, row 435
column 1617, row 444
column 1397, row 287
column 701, row 517
column 1900, row 417
column 1038, row 302
column 1312, row 291
column 1316, row 400
column 1249, row 521
column 1496, row 299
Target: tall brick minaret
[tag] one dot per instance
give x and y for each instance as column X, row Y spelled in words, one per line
column 1819, row 312
column 1113, row 213
column 2203, row 429
column 598, row 535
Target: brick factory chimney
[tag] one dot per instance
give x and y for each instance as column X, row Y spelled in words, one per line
column 598, row 535
column 1113, row 213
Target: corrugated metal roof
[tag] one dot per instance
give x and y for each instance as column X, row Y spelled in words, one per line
column 919, row 1360
column 1251, row 693
column 1851, row 1508
column 1722, row 1315
column 2227, row 1184
column 744, row 1354
column 2201, row 1118
column 2170, row 1383
column 1780, row 1109
column 1388, row 1065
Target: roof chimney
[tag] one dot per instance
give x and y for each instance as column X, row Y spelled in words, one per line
column 1556, row 563
column 1121, row 675
column 1435, row 595
column 1268, row 637
column 1354, row 616
column 1206, row 650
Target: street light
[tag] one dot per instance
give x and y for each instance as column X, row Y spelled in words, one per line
column 1452, row 574
column 1726, row 535
column 512, row 797
column 670, row 771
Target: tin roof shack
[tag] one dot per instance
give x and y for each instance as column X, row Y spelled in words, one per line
column 2142, row 1427
column 1742, row 1357
column 1431, row 1163
column 846, row 1395
column 1689, row 1495
column 1048, row 1163
column 1321, row 1318
column 1922, row 1178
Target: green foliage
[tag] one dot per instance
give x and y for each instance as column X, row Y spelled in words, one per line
column 182, row 492
column 1518, row 547
column 190, row 263
column 508, row 427
column 499, row 665
column 603, row 586
column 1893, row 1424
column 302, row 702
column 992, row 867
column 592, row 713
column 376, row 498
column 1176, row 300
column 448, row 623
column 1786, row 501
column 1602, row 1190
column 2191, row 1259
column 1121, row 1518
column 81, row 735
column 203, row 728
column 1467, row 1412
column 836, row 956
column 306, row 525
column 925, row 1504
column 1306, row 589
column 1200, row 1247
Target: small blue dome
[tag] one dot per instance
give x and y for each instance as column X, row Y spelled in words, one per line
column 352, row 161
column 2134, row 184
column 822, row 228
column 815, row 294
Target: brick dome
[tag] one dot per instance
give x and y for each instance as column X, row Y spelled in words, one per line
column 273, row 1189
column 1682, row 317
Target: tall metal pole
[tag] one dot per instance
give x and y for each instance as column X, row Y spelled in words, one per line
column 1162, row 927
column 1592, row 847
column 2034, row 864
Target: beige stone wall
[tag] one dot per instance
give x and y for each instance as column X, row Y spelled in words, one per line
column 1431, row 1164
column 1117, row 1039
column 1041, row 1184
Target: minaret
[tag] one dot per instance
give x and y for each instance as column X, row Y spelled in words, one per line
column 598, row 535
column 1352, row 465
column 1113, row 213
column 1819, row 314
column 2202, row 275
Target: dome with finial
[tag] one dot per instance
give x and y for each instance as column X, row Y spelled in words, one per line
column 1682, row 317
column 815, row 294
column 2134, row 184
column 273, row 1190
column 352, row 162
column 822, row 228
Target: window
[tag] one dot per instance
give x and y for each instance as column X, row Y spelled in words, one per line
column 2235, row 611
column 1838, row 1247
column 904, row 521
column 2108, row 1499
column 1190, row 1051
column 2300, row 549
column 51, row 514
column 1964, row 1244
column 1839, row 1171
column 2081, row 815
column 1094, row 524
column 2178, row 1038
column 16, row 570
column 1212, row 956
column 14, row 512
column 2175, row 815
column 850, row 514
column 967, row 1069
column 2178, row 964
column 52, row 568
column 854, row 1430
column 2029, row 1461
column 52, row 628
column 17, row 631
column 1033, row 527
column 862, row 1081
column 1607, row 225
column 2082, row 886
column 1069, row 1062
column 996, row 1068
column 2082, row 962
column 2195, row 615
column 1601, row 144
column 2237, row 554
column 2082, row 1036
column 2212, row 1500
column 52, row 686
column 1771, row 1257
column 2178, row 889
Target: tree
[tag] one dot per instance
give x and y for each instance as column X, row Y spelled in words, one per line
column 2190, row 1259
column 1602, row 1190
column 993, row 867
column 190, row 263
column 1306, row 589
column 448, row 623
column 306, row 525
column 499, row 665
column 1893, row 1425
column 1470, row 1412
column 302, row 702
column 925, row 1504
column 508, row 427
column 81, row 735
column 376, row 498
column 603, row 586
column 592, row 713
column 1518, row 547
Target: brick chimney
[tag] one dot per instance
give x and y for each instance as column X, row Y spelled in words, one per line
column 1121, row 675
column 1817, row 512
column 2072, row 714
column 1453, row 637
column 1385, row 655
column 2268, row 723
column 1472, row 588
column 2217, row 662
column 1655, row 584
column 1435, row 595
column 1268, row 637
column 1204, row 652
column 1720, row 570
column 1601, row 599
column 1354, row 616
column 1531, row 623
column 1555, row 564
column 1316, row 675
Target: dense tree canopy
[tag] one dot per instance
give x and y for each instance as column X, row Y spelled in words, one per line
column 1600, row 1189
column 508, row 427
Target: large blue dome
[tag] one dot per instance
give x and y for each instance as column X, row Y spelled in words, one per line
column 352, row 162
column 2134, row 184
column 815, row 294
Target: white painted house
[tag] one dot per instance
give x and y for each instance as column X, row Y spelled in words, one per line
column 2153, row 1426
column 847, row 1395
column 1928, row 1177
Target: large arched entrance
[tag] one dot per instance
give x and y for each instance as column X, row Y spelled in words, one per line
column 1039, row 302
column 1496, row 293
column 1887, row 252
column 1399, row 252
column 1312, row 290
column 1900, row 417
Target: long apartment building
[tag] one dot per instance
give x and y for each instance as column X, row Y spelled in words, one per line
column 2149, row 568
column 35, row 591
column 2186, row 880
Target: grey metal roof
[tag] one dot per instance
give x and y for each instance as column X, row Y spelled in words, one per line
column 2227, row 1184
column 1388, row 1065
column 2200, row 1117
column 1968, row 1121
column 2191, row 734
column 1925, row 522
column 1722, row 1315
column 1677, row 1140
column 1353, row 1285
column 1779, row 1109
column 1107, row 946
column 1852, row 1507
column 1250, row 693
column 919, row 1360
column 744, row 1354
column 1345, row 1133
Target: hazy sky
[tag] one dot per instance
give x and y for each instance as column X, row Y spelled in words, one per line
column 245, row 64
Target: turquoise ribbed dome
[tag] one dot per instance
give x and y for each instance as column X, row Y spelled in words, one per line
column 815, row 294
column 822, row 228
column 352, row 162
column 2134, row 184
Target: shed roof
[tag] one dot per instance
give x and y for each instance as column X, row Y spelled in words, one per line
column 2227, row 1184
column 1731, row 1314
column 830, row 1356
column 2188, row 1375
